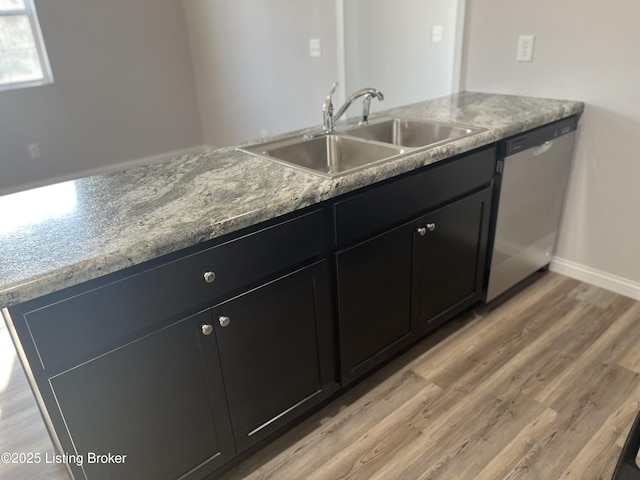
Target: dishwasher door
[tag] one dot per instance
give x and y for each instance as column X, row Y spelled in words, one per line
column 530, row 199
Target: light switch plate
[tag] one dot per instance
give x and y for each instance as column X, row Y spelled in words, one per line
column 436, row 33
column 34, row 151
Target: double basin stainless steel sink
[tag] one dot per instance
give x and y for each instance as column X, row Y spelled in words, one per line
column 358, row 147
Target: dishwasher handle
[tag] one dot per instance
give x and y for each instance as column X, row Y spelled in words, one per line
column 544, row 148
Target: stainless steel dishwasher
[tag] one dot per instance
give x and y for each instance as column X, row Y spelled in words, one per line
column 532, row 173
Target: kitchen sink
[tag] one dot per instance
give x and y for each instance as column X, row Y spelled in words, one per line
column 345, row 151
column 411, row 133
column 328, row 155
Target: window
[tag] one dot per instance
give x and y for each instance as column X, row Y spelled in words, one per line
column 23, row 59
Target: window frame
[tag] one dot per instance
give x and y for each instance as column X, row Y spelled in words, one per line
column 47, row 75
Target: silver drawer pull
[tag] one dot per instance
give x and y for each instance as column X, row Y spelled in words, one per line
column 422, row 231
column 224, row 321
column 209, row 277
column 207, row 329
column 431, row 227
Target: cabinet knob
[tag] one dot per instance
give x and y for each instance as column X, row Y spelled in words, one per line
column 422, row 231
column 207, row 329
column 224, row 321
column 431, row 227
column 209, row 277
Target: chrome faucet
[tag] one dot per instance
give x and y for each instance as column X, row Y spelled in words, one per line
column 329, row 119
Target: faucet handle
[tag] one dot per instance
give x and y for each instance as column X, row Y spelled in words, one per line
column 328, row 103
column 327, row 110
column 333, row 89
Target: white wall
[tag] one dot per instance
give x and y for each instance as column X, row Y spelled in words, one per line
column 585, row 50
column 123, row 90
column 253, row 70
column 388, row 46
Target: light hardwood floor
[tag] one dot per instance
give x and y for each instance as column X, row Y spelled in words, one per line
column 22, row 429
column 542, row 386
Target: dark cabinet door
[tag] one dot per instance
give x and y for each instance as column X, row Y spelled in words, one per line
column 277, row 353
column 374, row 300
column 158, row 400
column 449, row 259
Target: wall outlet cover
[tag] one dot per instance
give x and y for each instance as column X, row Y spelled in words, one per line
column 315, row 47
column 525, row 48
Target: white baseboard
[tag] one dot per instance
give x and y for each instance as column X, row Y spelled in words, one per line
column 601, row 279
column 113, row 167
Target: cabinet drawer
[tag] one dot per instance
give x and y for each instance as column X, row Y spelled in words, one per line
column 100, row 319
column 389, row 204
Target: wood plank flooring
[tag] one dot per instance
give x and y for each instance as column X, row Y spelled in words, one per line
column 542, row 386
column 22, row 429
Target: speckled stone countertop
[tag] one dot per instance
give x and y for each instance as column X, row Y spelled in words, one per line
column 113, row 221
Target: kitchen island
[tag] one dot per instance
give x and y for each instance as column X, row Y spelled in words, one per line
column 209, row 281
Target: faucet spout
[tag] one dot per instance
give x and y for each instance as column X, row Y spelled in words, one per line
column 329, row 119
column 367, row 93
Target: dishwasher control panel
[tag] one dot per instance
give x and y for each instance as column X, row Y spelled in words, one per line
column 537, row 136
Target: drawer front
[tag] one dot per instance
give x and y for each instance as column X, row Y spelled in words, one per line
column 88, row 324
column 365, row 214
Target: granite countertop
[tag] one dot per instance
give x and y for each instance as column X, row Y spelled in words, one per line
column 108, row 222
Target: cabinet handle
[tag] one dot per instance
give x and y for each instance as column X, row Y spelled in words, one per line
column 209, row 277
column 224, row 321
column 423, row 230
column 207, row 329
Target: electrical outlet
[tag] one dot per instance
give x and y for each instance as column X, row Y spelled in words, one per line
column 34, row 151
column 315, row 47
column 525, row 48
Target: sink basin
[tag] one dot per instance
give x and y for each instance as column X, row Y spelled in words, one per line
column 411, row 133
column 359, row 147
column 328, row 155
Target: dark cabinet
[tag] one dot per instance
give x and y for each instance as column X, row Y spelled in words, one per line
column 158, row 400
column 187, row 361
column 449, row 255
column 374, row 300
column 410, row 256
column 406, row 282
column 277, row 352
column 182, row 365
column 182, row 401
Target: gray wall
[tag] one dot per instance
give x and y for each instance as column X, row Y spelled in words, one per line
column 138, row 81
column 585, row 50
column 388, row 46
column 123, row 90
column 253, row 71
